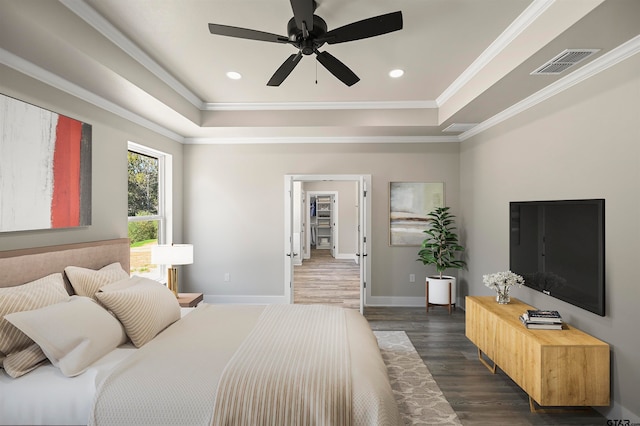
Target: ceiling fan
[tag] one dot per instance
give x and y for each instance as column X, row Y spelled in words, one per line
column 308, row 32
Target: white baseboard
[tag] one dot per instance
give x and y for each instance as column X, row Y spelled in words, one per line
column 394, row 301
column 398, row 301
column 617, row 411
column 342, row 256
column 346, row 256
column 244, row 300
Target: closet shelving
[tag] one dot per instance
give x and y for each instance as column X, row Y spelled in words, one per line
column 324, row 218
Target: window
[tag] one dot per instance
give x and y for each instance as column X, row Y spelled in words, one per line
column 147, row 195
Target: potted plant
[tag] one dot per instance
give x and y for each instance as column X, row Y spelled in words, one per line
column 440, row 248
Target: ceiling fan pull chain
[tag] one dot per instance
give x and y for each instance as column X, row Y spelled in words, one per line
column 316, row 70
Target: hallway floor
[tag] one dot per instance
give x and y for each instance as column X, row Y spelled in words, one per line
column 325, row 280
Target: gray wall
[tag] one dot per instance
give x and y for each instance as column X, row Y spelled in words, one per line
column 582, row 143
column 109, row 175
column 234, row 212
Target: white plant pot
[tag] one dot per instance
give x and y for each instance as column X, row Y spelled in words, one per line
column 439, row 290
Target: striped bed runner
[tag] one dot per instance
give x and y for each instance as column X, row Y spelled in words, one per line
column 294, row 368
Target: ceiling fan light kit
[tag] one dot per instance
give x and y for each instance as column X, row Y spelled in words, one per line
column 308, row 33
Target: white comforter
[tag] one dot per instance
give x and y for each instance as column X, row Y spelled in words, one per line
column 211, row 343
column 47, row 397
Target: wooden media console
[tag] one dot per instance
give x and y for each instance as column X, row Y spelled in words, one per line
column 556, row 368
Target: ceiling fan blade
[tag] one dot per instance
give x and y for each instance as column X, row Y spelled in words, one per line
column 285, row 69
column 303, row 13
column 337, row 68
column 226, row 30
column 366, row 28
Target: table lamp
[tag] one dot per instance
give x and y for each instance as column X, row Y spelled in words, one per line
column 172, row 255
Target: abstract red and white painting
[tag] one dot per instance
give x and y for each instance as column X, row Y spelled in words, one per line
column 45, row 168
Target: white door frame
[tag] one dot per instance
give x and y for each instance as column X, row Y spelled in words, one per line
column 364, row 245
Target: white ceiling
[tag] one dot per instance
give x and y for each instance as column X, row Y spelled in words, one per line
column 155, row 62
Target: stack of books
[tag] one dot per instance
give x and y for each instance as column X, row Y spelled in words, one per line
column 542, row 320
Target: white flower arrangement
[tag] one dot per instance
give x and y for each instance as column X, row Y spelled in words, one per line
column 502, row 280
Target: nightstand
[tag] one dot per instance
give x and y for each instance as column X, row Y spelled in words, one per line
column 189, row 300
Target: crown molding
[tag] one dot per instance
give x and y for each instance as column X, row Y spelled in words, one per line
column 32, row 70
column 307, row 106
column 321, row 140
column 599, row 64
column 526, row 18
column 104, row 27
column 609, row 59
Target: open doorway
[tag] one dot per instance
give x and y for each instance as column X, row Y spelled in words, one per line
column 327, row 271
column 321, row 217
column 325, row 239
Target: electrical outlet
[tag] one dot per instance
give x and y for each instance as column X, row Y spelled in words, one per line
column 412, row 278
column 227, row 277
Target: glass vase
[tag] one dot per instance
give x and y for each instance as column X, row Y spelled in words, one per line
column 502, row 296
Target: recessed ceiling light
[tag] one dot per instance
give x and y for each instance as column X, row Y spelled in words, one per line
column 234, row 75
column 396, row 73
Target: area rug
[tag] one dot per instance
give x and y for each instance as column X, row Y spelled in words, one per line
column 420, row 400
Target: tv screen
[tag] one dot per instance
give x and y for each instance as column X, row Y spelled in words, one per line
column 558, row 248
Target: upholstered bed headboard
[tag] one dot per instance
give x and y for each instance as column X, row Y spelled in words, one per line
column 24, row 265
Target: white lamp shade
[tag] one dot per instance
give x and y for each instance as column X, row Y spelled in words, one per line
column 175, row 254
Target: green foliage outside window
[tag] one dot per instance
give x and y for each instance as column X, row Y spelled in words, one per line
column 143, row 184
column 146, row 230
column 145, row 215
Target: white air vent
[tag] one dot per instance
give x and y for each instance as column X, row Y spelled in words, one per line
column 564, row 60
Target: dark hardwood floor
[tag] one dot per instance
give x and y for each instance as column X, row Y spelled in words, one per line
column 477, row 396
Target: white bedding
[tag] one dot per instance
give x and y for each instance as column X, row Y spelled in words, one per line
column 46, row 396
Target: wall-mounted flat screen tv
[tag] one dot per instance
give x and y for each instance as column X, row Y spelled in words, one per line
column 558, row 247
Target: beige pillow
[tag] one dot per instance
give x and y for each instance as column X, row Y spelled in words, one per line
column 72, row 334
column 145, row 307
column 87, row 282
column 20, row 363
column 34, row 295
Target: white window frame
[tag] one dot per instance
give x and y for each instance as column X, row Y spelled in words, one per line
column 165, row 191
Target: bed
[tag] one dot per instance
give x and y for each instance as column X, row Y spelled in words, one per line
column 214, row 364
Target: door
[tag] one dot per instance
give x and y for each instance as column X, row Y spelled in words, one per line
column 304, row 234
column 362, row 239
column 298, row 223
column 288, row 237
column 334, row 228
